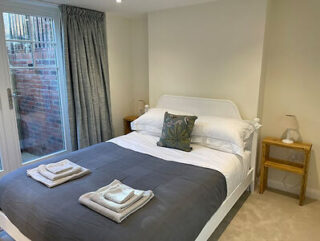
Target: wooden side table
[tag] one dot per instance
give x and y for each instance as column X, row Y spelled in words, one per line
column 298, row 168
column 127, row 123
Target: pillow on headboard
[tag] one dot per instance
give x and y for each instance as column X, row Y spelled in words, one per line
column 176, row 131
column 151, row 122
column 223, row 134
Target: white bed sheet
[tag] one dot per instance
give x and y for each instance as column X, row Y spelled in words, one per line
column 233, row 167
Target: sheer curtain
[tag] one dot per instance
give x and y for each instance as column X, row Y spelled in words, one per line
column 86, row 68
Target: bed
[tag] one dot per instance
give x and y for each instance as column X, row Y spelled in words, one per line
column 193, row 191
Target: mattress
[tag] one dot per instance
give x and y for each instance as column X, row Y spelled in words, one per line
column 233, row 167
column 186, row 197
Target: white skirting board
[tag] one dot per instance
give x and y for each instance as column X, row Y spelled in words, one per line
column 310, row 192
column 204, row 235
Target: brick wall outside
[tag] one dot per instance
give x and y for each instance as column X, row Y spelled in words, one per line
column 38, row 103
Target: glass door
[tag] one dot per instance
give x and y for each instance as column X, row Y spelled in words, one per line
column 35, row 86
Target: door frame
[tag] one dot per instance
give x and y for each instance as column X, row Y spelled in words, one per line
column 9, row 140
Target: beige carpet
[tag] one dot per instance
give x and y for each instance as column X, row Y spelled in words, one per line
column 272, row 216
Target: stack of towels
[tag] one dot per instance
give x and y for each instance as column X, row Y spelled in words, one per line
column 116, row 200
column 54, row 174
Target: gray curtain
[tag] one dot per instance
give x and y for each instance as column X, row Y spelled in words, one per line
column 86, row 68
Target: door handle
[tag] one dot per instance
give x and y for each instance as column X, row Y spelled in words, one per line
column 15, row 95
column 10, row 98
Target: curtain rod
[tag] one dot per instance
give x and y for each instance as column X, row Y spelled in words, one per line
column 48, row 2
column 66, row 2
column 44, row 1
column 32, row 2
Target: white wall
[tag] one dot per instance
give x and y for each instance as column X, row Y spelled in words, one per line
column 120, row 69
column 292, row 81
column 128, row 65
column 140, row 70
column 208, row 50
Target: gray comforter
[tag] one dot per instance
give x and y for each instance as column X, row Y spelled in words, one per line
column 186, row 197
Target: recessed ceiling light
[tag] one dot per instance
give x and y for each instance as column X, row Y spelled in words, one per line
column 119, row 1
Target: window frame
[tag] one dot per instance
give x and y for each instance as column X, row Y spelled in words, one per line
column 10, row 150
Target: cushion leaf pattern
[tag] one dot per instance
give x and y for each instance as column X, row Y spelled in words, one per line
column 176, row 131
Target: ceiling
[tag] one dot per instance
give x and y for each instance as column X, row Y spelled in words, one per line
column 129, row 7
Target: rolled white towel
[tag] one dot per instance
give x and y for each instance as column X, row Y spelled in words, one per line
column 118, row 192
column 53, row 177
column 59, row 167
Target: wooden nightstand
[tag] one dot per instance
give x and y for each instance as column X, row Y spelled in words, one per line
column 300, row 168
column 127, row 123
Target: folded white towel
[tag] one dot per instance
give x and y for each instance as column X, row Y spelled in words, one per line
column 34, row 173
column 59, row 167
column 100, row 199
column 53, row 177
column 85, row 199
column 117, row 192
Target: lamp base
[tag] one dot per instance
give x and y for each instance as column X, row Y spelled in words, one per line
column 287, row 141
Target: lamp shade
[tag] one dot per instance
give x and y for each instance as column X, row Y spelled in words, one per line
column 290, row 122
column 141, row 104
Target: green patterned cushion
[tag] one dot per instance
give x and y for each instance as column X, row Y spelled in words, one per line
column 176, row 131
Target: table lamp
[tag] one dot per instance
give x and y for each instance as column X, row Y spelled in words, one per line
column 141, row 105
column 291, row 124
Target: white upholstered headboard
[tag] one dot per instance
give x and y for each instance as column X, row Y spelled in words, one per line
column 200, row 106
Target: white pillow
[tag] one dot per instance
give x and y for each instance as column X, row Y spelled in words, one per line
column 224, row 134
column 152, row 122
